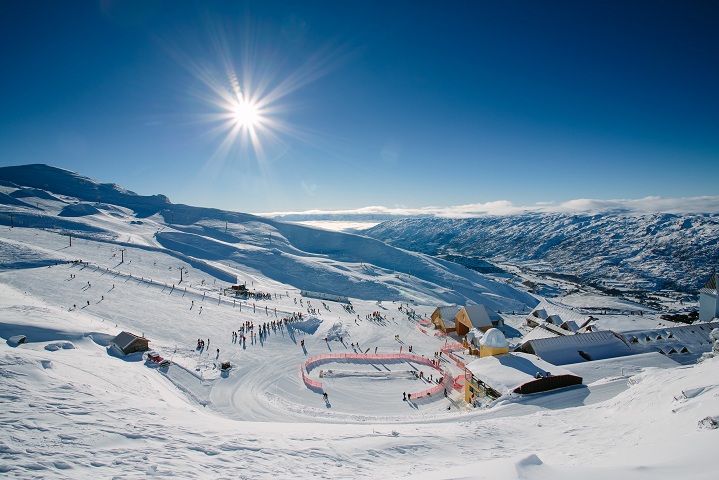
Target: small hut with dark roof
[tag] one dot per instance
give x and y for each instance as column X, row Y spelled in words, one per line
column 128, row 343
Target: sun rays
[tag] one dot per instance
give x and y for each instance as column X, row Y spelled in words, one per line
column 245, row 89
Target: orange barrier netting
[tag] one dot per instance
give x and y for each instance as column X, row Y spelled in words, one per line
column 331, row 357
column 426, row 393
column 455, row 346
column 312, row 384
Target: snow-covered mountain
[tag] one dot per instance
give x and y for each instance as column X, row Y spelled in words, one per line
column 223, row 242
column 668, row 250
column 80, row 262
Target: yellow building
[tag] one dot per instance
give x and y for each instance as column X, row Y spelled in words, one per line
column 493, row 343
column 475, row 316
column 443, row 318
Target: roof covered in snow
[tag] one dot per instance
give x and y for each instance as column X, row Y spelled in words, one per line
column 448, row 322
column 482, row 310
column 507, row 372
column 556, row 314
column 474, row 336
column 124, row 339
column 686, row 341
column 447, row 313
column 577, row 348
column 621, row 366
column 539, row 331
column 478, row 315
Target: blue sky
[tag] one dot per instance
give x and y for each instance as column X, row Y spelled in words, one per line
column 396, row 104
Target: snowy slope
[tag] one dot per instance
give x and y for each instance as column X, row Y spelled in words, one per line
column 665, row 249
column 210, row 239
column 72, row 408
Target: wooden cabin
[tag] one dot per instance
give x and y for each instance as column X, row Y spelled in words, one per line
column 128, row 343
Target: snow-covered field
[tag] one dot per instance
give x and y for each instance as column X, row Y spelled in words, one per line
column 72, row 408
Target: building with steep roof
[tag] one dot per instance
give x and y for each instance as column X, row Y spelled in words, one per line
column 550, row 313
column 476, row 316
column 443, row 317
column 128, row 343
column 709, row 300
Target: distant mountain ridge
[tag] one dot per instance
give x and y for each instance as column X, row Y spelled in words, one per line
column 65, row 182
column 227, row 243
column 669, row 250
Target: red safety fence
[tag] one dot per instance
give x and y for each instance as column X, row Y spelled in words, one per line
column 447, row 351
column 457, row 360
column 446, row 380
column 311, row 384
column 333, row 357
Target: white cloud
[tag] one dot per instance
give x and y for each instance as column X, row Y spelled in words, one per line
column 696, row 205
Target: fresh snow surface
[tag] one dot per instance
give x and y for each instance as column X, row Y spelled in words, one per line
column 73, row 408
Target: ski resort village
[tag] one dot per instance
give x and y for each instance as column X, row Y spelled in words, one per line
column 145, row 338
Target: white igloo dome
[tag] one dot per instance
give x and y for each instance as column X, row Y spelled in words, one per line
column 494, row 338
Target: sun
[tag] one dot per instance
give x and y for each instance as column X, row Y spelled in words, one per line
column 246, row 93
column 246, row 114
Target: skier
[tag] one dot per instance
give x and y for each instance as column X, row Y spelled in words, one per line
column 404, row 396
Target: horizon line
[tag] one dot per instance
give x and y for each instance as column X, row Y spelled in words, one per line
column 647, row 205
